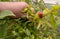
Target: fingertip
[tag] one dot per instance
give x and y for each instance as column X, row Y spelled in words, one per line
column 24, row 4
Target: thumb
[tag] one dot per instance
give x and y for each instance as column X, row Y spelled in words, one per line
column 15, row 7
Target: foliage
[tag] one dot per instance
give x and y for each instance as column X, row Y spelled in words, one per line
column 31, row 26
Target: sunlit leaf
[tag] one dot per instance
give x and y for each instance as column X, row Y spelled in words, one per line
column 27, row 32
column 55, row 13
column 32, row 36
column 46, row 11
column 53, row 22
column 55, row 8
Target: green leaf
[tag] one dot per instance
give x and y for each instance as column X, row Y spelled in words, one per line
column 3, row 27
column 55, row 13
column 18, row 37
column 58, row 21
column 32, row 37
column 6, row 13
column 26, row 38
column 27, row 1
column 27, row 32
column 55, row 8
column 53, row 22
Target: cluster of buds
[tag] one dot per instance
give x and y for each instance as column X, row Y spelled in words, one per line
column 31, row 11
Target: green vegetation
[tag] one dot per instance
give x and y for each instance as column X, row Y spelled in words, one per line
column 33, row 25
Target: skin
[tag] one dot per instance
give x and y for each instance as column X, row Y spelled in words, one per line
column 15, row 7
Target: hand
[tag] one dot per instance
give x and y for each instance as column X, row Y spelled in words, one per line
column 15, row 7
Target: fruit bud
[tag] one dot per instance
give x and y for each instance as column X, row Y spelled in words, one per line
column 40, row 14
